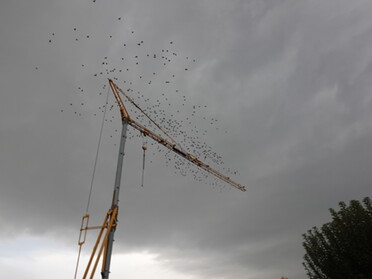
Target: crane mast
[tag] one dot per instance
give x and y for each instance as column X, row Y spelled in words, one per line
column 104, row 242
column 115, row 203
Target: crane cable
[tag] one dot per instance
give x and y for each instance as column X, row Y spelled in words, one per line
column 99, row 144
column 93, row 174
column 157, row 125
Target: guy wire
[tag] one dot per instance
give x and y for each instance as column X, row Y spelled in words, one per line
column 99, row 144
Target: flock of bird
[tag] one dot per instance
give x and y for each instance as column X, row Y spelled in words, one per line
column 152, row 79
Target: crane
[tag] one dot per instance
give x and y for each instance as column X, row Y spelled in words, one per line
column 104, row 242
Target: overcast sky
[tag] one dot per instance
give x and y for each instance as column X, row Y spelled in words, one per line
column 281, row 90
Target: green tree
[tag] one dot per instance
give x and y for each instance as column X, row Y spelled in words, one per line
column 342, row 248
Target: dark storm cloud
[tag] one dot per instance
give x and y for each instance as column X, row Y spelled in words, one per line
column 288, row 80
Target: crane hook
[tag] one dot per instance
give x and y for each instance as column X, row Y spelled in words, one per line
column 144, row 148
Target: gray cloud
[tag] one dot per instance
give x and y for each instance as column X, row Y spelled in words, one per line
column 288, row 81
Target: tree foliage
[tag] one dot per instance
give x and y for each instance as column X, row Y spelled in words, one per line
column 341, row 248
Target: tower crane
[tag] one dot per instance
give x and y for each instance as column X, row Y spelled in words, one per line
column 104, row 242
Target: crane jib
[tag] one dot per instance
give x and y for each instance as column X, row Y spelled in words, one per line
column 184, row 154
column 175, row 147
